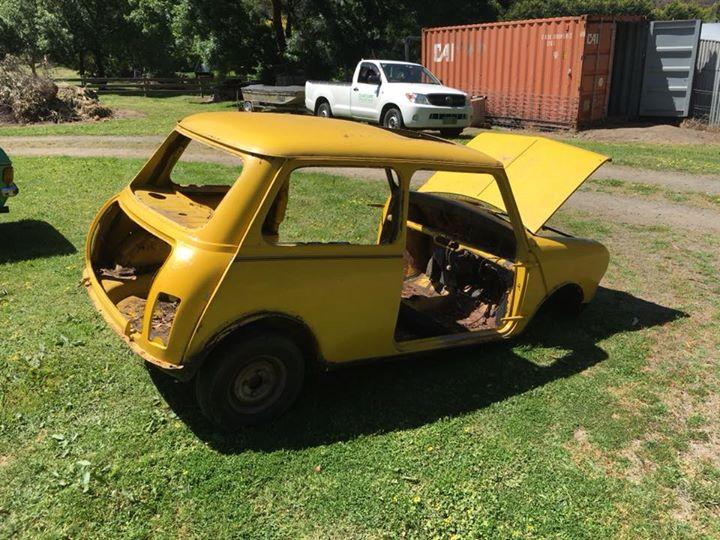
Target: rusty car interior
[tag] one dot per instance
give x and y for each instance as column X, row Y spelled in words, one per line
column 458, row 270
column 125, row 260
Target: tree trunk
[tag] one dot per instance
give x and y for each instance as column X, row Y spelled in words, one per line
column 278, row 26
column 289, row 22
column 99, row 65
column 32, row 62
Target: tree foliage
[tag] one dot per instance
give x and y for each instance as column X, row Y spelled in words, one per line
column 313, row 38
column 675, row 10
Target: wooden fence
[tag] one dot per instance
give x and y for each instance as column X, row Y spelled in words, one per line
column 157, row 85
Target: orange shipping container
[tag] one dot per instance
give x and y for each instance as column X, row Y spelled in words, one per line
column 548, row 72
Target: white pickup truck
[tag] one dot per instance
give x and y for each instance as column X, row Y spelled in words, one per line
column 395, row 94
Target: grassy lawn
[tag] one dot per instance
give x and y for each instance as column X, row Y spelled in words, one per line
column 136, row 115
column 693, row 158
column 603, row 426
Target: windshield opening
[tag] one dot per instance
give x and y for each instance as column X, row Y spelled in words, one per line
column 408, row 73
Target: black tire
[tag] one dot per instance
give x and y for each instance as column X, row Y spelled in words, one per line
column 324, row 110
column 250, row 381
column 393, row 119
column 247, row 106
column 451, row 133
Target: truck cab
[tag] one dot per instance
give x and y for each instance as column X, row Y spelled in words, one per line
column 394, row 94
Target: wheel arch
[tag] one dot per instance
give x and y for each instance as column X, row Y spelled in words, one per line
column 295, row 328
column 319, row 101
column 563, row 296
column 385, row 108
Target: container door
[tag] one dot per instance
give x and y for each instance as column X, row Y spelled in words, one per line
column 669, row 68
column 628, row 62
column 596, row 71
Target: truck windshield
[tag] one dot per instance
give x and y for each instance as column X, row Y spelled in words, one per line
column 408, row 73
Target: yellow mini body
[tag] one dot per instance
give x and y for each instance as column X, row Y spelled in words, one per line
column 181, row 272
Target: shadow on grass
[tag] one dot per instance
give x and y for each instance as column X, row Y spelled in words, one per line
column 413, row 391
column 31, row 239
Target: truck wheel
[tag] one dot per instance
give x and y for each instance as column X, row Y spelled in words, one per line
column 393, row 119
column 324, row 110
column 451, row 133
column 251, row 381
column 248, row 106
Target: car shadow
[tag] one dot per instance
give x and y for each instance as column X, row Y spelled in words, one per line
column 409, row 392
column 31, row 239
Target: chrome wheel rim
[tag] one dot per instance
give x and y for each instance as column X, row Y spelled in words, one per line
column 392, row 122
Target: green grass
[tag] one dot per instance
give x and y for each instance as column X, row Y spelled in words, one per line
column 136, row 115
column 588, row 428
column 611, row 185
column 692, row 158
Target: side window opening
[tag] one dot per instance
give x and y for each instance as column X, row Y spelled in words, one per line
column 458, row 267
column 341, row 206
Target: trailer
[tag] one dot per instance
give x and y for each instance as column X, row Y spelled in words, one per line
column 262, row 97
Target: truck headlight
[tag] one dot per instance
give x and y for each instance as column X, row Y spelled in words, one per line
column 420, row 99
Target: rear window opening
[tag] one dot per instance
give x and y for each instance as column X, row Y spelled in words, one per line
column 457, row 266
column 125, row 259
column 191, row 183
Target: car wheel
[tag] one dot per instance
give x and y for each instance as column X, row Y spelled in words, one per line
column 250, row 381
column 324, row 110
column 247, row 106
column 451, row 133
column 393, row 119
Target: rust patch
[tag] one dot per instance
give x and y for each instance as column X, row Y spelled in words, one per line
column 119, row 272
column 133, row 309
column 163, row 317
column 449, row 310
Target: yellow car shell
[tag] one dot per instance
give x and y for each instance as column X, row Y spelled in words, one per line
column 193, row 280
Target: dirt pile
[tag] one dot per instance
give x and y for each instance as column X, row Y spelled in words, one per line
column 26, row 97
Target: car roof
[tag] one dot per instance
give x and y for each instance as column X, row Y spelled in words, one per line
column 295, row 136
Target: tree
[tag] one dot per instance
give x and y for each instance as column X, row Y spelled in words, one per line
column 538, row 9
column 677, row 11
column 229, row 35
column 330, row 36
column 29, row 28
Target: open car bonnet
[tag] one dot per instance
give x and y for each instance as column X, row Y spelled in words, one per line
column 543, row 173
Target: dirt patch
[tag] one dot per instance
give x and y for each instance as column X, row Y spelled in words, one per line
column 582, row 452
column 650, row 134
column 128, row 114
column 677, row 181
column 637, row 133
column 637, row 211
